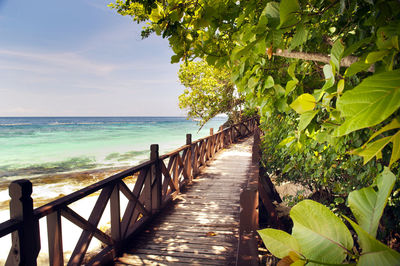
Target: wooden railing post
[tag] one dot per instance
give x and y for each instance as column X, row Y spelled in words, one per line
column 115, row 214
column 156, row 187
column 211, row 146
column 54, row 233
column 189, row 157
column 256, row 157
column 26, row 240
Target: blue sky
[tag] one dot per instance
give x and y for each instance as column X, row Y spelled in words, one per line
column 80, row 58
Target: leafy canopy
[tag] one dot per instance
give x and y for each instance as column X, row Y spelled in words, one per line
column 209, row 92
column 335, row 62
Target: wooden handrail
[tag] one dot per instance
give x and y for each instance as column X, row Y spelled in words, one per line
column 158, row 181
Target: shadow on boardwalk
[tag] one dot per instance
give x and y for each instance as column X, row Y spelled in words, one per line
column 201, row 226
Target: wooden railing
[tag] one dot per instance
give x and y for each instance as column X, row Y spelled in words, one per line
column 158, row 181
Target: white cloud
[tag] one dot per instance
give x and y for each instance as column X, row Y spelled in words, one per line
column 35, row 61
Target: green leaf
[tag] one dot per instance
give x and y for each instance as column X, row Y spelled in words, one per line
column 278, row 242
column 272, row 10
column 356, row 67
column 303, row 103
column 286, row 142
column 371, row 102
column 355, row 46
column 367, row 204
column 372, row 149
column 157, row 13
column 291, row 69
column 329, row 77
column 336, row 53
column 253, row 82
column 211, row 59
column 262, row 21
column 282, row 105
column 290, row 86
column 175, row 59
column 373, row 251
column 261, row 47
column 286, row 12
column 299, row 37
column 340, row 86
column 279, row 90
column 269, row 83
column 376, row 56
column 306, row 118
column 392, row 125
column 321, row 235
column 396, row 148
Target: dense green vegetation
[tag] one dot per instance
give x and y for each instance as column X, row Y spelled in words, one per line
column 209, row 92
column 324, row 75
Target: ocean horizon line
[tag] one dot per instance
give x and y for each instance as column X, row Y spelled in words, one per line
column 100, row 116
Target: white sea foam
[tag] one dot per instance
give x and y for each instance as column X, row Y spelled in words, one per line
column 60, row 123
column 16, row 124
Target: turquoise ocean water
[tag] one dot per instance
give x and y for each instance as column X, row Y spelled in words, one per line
column 41, row 147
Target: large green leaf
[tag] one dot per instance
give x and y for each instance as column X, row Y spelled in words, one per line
column 303, row 103
column 371, row 102
column 321, row 235
column 373, row 251
column 287, row 9
column 278, row 242
column 367, row 204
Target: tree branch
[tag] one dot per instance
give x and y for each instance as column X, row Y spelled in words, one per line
column 316, row 57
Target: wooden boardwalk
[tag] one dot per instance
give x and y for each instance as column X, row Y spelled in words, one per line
column 201, row 225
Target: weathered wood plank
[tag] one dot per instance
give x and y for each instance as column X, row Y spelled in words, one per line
column 162, row 260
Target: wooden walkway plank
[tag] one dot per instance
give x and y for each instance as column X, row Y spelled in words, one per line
column 201, row 226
